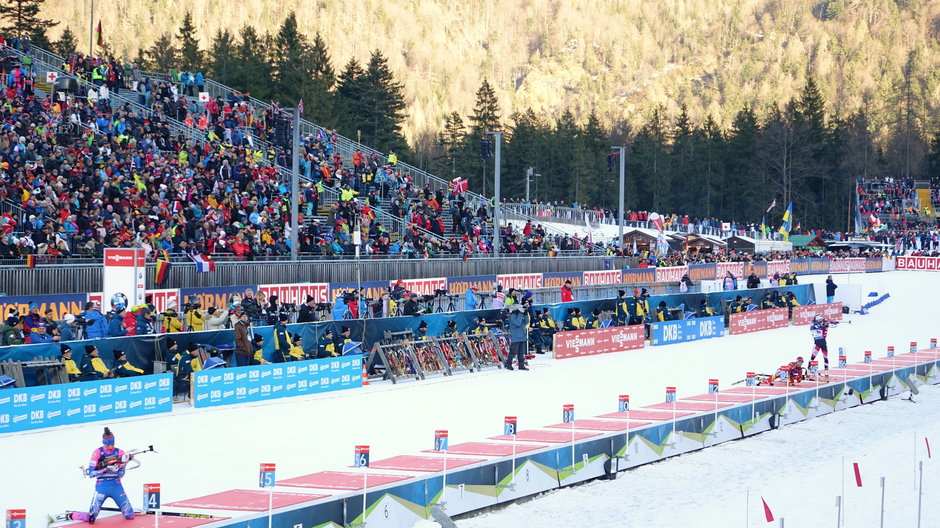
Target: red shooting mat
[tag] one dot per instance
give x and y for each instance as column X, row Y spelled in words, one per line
column 684, row 405
column 551, row 437
column 645, row 414
column 599, row 425
column 243, row 500
column 422, row 463
column 340, row 480
column 486, row 449
column 146, row 521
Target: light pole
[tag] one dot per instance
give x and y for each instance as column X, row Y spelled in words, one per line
column 623, row 167
column 499, row 142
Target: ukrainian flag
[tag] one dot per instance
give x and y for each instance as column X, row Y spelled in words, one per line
column 785, row 223
column 763, row 227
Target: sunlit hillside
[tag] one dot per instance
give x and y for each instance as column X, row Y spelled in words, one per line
column 618, row 57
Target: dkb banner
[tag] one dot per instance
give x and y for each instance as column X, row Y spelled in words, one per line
column 280, row 380
column 687, row 330
column 88, row 401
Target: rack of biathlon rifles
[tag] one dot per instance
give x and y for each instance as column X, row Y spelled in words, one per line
column 401, row 356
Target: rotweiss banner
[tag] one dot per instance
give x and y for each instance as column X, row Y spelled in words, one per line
column 75, row 403
column 669, row 332
column 280, row 380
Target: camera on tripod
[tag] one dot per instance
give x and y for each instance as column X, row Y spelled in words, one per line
column 440, row 292
column 288, row 307
column 80, row 320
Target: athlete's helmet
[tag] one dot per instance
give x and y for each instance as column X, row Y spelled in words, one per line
column 818, row 317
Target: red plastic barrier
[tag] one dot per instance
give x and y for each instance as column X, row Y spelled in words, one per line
column 742, row 323
column 803, row 315
column 599, row 341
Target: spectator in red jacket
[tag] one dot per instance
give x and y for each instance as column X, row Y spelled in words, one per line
column 566, row 294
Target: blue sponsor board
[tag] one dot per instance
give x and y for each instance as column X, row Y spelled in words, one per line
column 687, row 330
column 74, row 403
column 281, row 380
column 61, row 304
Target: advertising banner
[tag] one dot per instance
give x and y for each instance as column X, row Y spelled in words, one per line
column 668, row 332
column 799, row 266
column 124, row 274
column 371, row 289
column 161, row 298
column 297, row 293
column 757, row 268
column 603, row 277
column 423, row 286
column 279, row 380
column 803, row 315
column 736, row 269
column 74, row 403
column 778, row 266
column 873, row 264
column 745, row 322
column 639, row 275
column 520, row 281
column 847, row 265
column 598, row 341
column 917, row 263
column 218, row 296
column 819, row 265
column 557, row 279
column 671, row 274
column 484, row 283
column 69, row 303
column 698, row 272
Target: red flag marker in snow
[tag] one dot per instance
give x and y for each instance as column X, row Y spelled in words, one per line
column 858, row 475
column 767, row 513
column 928, row 446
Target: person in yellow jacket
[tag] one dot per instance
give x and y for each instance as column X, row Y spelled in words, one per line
column 195, row 320
column 392, row 158
column 92, row 367
column 257, row 356
column 123, row 367
column 171, row 319
column 791, row 302
column 296, row 348
column 71, row 369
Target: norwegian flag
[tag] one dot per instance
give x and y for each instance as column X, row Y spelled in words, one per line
column 460, row 184
column 204, row 263
column 300, row 106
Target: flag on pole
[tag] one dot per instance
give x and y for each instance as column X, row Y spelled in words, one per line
column 460, row 184
column 928, row 446
column 204, row 263
column 763, row 227
column 30, row 261
column 100, row 35
column 300, row 106
column 772, row 205
column 163, row 269
column 767, row 513
column 785, row 223
column 858, row 475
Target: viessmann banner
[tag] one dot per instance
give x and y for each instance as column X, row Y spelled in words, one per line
column 51, row 405
column 803, row 315
column 267, row 382
column 745, row 322
column 668, row 332
column 598, row 341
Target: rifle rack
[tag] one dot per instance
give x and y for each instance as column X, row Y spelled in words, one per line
column 438, row 355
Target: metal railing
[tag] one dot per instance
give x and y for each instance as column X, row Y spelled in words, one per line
column 82, row 278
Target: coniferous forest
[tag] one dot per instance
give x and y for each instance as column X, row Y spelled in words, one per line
column 809, row 96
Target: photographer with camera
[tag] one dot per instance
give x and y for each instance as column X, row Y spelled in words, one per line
column 68, row 328
column 217, row 319
column 195, row 321
column 171, row 319
column 307, row 312
column 411, row 305
column 273, row 310
column 96, row 327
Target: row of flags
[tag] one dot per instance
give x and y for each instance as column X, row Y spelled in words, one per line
column 204, row 264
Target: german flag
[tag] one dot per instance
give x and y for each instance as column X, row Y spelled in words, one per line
column 163, row 269
column 30, row 261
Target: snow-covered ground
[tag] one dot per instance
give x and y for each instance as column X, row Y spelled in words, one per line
column 796, row 469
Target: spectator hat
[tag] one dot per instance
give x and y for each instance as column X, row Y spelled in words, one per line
column 423, row 324
column 344, row 329
column 69, row 318
column 170, row 342
column 283, row 317
column 327, row 330
column 192, row 347
column 90, row 348
column 65, row 349
column 621, row 293
column 118, row 353
column 259, row 338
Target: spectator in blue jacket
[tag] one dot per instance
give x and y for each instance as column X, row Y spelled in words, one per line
column 67, row 328
column 97, row 326
column 518, row 336
column 116, row 326
column 144, row 322
column 39, row 335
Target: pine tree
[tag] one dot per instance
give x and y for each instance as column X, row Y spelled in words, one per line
column 191, row 57
column 683, row 190
column 351, row 100
column 485, row 118
column 251, row 67
column 452, row 140
column 744, row 176
column 222, row 60
column 601, row 186
column 386, row 111
column 711, row 149
column 163, row 56
column 526, row 145
column 319, row 99
column 21, row 18
column 648, row 165
column 289, row 58
column 66, row 44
